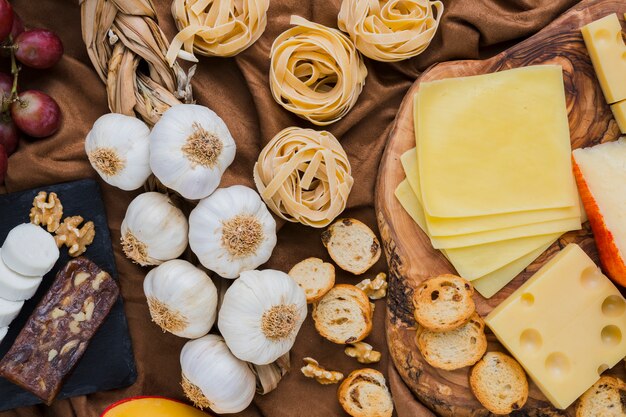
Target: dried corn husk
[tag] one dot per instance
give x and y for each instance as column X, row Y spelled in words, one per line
column 268, row 376
column 119, row 35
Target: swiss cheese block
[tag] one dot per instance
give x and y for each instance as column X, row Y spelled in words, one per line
column 565, row 325
column 619, row 112
column 449, row 226
column 486, row 142
column 607, row 50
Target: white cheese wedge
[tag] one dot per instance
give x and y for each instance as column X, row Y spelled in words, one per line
column 14, row 286
column 3, row 332
column 30, row 250
column 9, row 311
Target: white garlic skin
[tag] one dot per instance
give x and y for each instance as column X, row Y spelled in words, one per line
column 128, row 137
column 168, row 160
column 241, row 313
column 186, row 290
column 206, row 226
column 225, row 381
column 153, row 220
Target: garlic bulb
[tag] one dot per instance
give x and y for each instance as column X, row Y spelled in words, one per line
column 118, row 149
column 190, row 148
column 261, row 315
column 214, row 378
column 182, row 298
column 153, row 230
column 232, row 231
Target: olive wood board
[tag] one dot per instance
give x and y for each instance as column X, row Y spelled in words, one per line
column 108, row 362
column 409, row 253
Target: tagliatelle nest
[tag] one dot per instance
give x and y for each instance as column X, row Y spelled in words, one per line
column 304, row 176
column 119, row 36
column 316, row 72
column 390, row 30
column 217, row 27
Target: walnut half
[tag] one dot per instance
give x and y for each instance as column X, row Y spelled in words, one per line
column 376, row 288
column 75, row 238
column 47, row 211
column 312, row 369
column 363, row 352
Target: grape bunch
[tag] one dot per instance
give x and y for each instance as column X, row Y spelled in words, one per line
column 31, row 112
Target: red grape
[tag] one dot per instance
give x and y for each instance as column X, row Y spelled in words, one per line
column 4, row 164
column 6, row 84
column 8, row 134
column 36, row 114
column 18, row 26
column 6, row 19
column 38, row 48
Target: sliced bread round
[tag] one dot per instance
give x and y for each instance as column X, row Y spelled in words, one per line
column 605, row 398
column 352, row 245
column 443, row 303
column 499, row 383
column 456, row 348
column 343, row 315
column 315, row 276
column 364, row 394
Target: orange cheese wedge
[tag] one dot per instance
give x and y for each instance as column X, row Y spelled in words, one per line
column 151, row 407
column 600, row 173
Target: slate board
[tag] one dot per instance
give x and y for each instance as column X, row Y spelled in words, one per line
column 108, row 362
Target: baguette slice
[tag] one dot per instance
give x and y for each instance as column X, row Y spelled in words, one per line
column 600, row 174
column 314, row 276
column 364, row 394
column 456, row 348
column 443, row 303
column 343, row 315
column 606, row 398
column 499, row 383
column 352, row 245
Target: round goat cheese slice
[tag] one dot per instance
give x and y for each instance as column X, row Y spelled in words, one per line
column 30, row 250
column 9, row 311
column 15, row 286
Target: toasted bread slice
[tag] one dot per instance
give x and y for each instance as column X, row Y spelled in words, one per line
column 456, row 348
column 315, row 276
column 352, row 245
column 364, row 394
column 499, row 383
column 343, row 315
column 443, row 303
column 606, row 398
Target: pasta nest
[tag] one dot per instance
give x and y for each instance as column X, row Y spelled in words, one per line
column 304, row 176
column 216, row 27
column 390, row 30
column 316, row 72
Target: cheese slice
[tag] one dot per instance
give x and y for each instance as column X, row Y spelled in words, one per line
column 495, row 143
column 619, row 112
column 607, row 50
column 448, row 226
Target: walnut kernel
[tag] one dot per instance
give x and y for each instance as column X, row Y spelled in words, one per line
column 312, row 369
column 363, row 352
column 47, row 211
column 76, row 239
column 376, row 288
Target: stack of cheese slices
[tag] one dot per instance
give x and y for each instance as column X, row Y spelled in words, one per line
column 490, row 180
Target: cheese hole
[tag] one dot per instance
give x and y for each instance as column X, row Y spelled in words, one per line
column 611, row 335
column 528, row 299
column 613, row 306
column 558, row 365
column 591, row 277
column 603, row 35
column 602, row 368
column 530, row 340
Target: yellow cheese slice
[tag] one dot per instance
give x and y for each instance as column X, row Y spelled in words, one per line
column 474, row 262
column 449, row 226
column 619, row 112
column 495, row 143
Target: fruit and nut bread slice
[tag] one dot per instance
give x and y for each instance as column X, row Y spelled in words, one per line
column 364, row 394
column 443, row 303
column 606, row 398
column 499, row 383
column 343, row 315
column 352, row 245
column 314, row 276
column 456, row 348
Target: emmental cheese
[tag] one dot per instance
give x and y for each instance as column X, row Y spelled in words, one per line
column 619, row 112
column 607, row 50
column 566, row 325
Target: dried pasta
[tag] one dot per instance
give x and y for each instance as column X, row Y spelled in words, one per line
column 390, row 30
column 304, row 176
column 217, row 27
column 316, row 72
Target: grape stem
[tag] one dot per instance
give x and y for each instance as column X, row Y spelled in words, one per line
column 15, row 70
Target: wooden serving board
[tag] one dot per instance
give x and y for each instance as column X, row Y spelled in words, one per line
column 409, row 252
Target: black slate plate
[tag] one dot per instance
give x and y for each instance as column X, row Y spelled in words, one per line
column 108, row 362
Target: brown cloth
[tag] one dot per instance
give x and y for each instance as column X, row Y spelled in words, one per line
column 237, row 90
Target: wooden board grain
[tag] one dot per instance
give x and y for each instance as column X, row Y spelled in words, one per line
column 409, row 252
